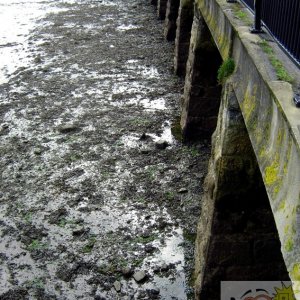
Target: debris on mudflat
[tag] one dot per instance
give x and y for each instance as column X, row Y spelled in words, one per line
column 139, row 276
column 68, row 128
column 117, row 286
column 161, row 144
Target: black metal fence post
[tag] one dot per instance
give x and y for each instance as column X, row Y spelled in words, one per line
column 257, row 17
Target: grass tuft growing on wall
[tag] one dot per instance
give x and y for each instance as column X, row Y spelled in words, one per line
column 225, row 70
column 281, row 72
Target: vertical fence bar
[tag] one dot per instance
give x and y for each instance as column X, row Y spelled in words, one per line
column 282, row 19
column 257, row 17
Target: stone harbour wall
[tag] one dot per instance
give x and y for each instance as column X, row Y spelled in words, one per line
column 254, row 172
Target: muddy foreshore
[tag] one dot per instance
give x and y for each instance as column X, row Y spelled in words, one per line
column 94, row 186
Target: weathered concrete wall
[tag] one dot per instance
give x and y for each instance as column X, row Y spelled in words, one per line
column 171, row 17
column 237, row 237
column 201, row 97
column 272, row 128
column 161, row 9
column 271, row 119
column 183, row 35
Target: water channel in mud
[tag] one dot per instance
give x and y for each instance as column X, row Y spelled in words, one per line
column 94, row 186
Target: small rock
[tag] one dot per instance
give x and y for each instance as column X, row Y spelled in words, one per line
column 140, row 206
column 164, row 267
column 154, row 291
column 139, row 276
column 38, row 151
column 150, row 248
column 144, row 136
column 117, row 286
column 127, row 272
column 38, row 59
column 80, row 231
column 67, row 128
column 145, row 234
column 182, row 190
column 145, row 150
column 161, row 144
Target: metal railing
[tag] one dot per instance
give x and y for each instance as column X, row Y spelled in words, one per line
column 282, row 19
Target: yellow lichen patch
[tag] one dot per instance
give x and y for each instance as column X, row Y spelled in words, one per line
column 282, row 205
column 286, row 229
column 280, row 137
column 271, row 173
column 262, row 152
column 289, row 245
column 249, row 103
column 295, row 273
column 287, row 158
column 224, row 45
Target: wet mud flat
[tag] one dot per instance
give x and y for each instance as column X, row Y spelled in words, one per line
column 98, row 200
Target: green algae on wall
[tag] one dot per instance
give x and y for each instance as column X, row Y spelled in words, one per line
column 216, row 26
column 249, row 103
column 187, row 4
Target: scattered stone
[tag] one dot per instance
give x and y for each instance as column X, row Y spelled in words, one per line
column 144, row 136
column 56, row 216
column 164, row 267
column 139, row 276
column 182, row 190
column 140, row 206
column 150, row 248
column 127, row 271
column 100, row 297
column 64, row 273
column 80, row 231
column 117, row 286
column 38, row 59
column 145, row 150
column 145, row 234
column 38, row 151
column 67, row 128
column 161, row 144
column 154, row 291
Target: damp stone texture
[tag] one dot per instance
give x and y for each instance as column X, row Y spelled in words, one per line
column 183, row 35
column 271, row 119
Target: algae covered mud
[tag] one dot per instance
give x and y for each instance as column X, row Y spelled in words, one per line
column 97, row 198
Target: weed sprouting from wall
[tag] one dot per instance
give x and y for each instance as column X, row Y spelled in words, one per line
column 225, row 70
column 281, row 72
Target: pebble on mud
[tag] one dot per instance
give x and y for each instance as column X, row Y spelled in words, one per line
column 182, row 191
column 154, row 291
column 67, row 128
column 139, row 276
column 117, row 286
column 144, row 137
column 38, row 151
column 161, row 144
column 127, row 272
column 145, row 150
